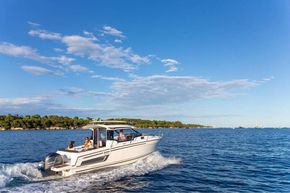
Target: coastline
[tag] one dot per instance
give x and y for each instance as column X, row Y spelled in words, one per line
column 55, row 122
column 27, row 129
column 80, row 128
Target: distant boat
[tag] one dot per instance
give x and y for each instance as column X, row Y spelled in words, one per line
column 258, row 126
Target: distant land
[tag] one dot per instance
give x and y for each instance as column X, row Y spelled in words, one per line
column 55, row 122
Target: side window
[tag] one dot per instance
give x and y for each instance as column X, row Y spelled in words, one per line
column 122, row 134
column 136, row 133
column 130, row 134
column 103, row 135
column 116, row 135
column 110, row 135
column 127, row 132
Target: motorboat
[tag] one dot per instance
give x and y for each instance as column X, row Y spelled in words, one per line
column 112, row 144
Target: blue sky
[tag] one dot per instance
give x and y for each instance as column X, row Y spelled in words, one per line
column 213, row 62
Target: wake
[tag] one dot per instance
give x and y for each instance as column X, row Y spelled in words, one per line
column 26, row 171
column 29, row 172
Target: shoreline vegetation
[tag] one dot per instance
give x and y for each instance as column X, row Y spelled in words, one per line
column 55, row 122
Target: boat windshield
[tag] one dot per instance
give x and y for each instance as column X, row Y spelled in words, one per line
column 123, row 134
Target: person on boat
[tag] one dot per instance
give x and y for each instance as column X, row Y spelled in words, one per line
column 122, row 137
column 70, row 145
column 87, row 143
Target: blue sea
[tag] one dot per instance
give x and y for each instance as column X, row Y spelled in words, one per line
column 187, row 160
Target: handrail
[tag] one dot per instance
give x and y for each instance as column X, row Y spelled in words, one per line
column 109, row 122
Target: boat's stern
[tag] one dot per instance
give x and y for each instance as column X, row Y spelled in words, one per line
column 52, row 162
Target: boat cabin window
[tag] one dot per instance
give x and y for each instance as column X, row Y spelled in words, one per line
column 131, row 133
column 102, row 137
column 111, row 134
column 99, row 137
column 122, row 134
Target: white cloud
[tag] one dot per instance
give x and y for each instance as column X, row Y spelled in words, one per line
column 140, row 94
column 21, row 51
column 43, row 34
column 14, row 102
column 37, row 70
column 172, row 69
column 86, row 47
column 107, row 78
column 99, row 94
column 58, row 49
column 158, row 89
column 118, row 41
column 81, row 46
column 76, row 92
column 73, row 91
column 159, row 92
column 138, row 59
column 90, row 35
column 112, row 31
column 33, row 24
column 44, row 106
column 103, row 53
column 269, row 78
column 165, row 94
column 107, row 55
column 171, row 64
column 113, row 57
column 29, row 53
column 78, row 68
column 63, row 60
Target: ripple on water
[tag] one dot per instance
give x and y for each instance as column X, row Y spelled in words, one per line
column 213, row 160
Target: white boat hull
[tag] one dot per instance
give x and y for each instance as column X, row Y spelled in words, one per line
column 113, row 155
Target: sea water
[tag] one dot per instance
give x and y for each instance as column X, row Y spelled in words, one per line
column 187, row 160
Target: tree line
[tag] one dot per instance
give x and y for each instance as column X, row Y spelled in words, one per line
column 62, row 122
column 41, row 122
column 142, row 123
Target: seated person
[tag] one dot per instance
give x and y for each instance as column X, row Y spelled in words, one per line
column 70, row 145
column 87, row 144
column 121, row 136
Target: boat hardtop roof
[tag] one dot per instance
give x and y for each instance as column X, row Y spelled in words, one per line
column 109, row 125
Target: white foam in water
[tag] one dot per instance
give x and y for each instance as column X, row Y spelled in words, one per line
column 4, row 180
column 79, row 182
column 27, row 171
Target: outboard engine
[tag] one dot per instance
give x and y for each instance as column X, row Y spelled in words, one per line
column 52, row 159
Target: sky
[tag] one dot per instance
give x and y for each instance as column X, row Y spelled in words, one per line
column 222, row 63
